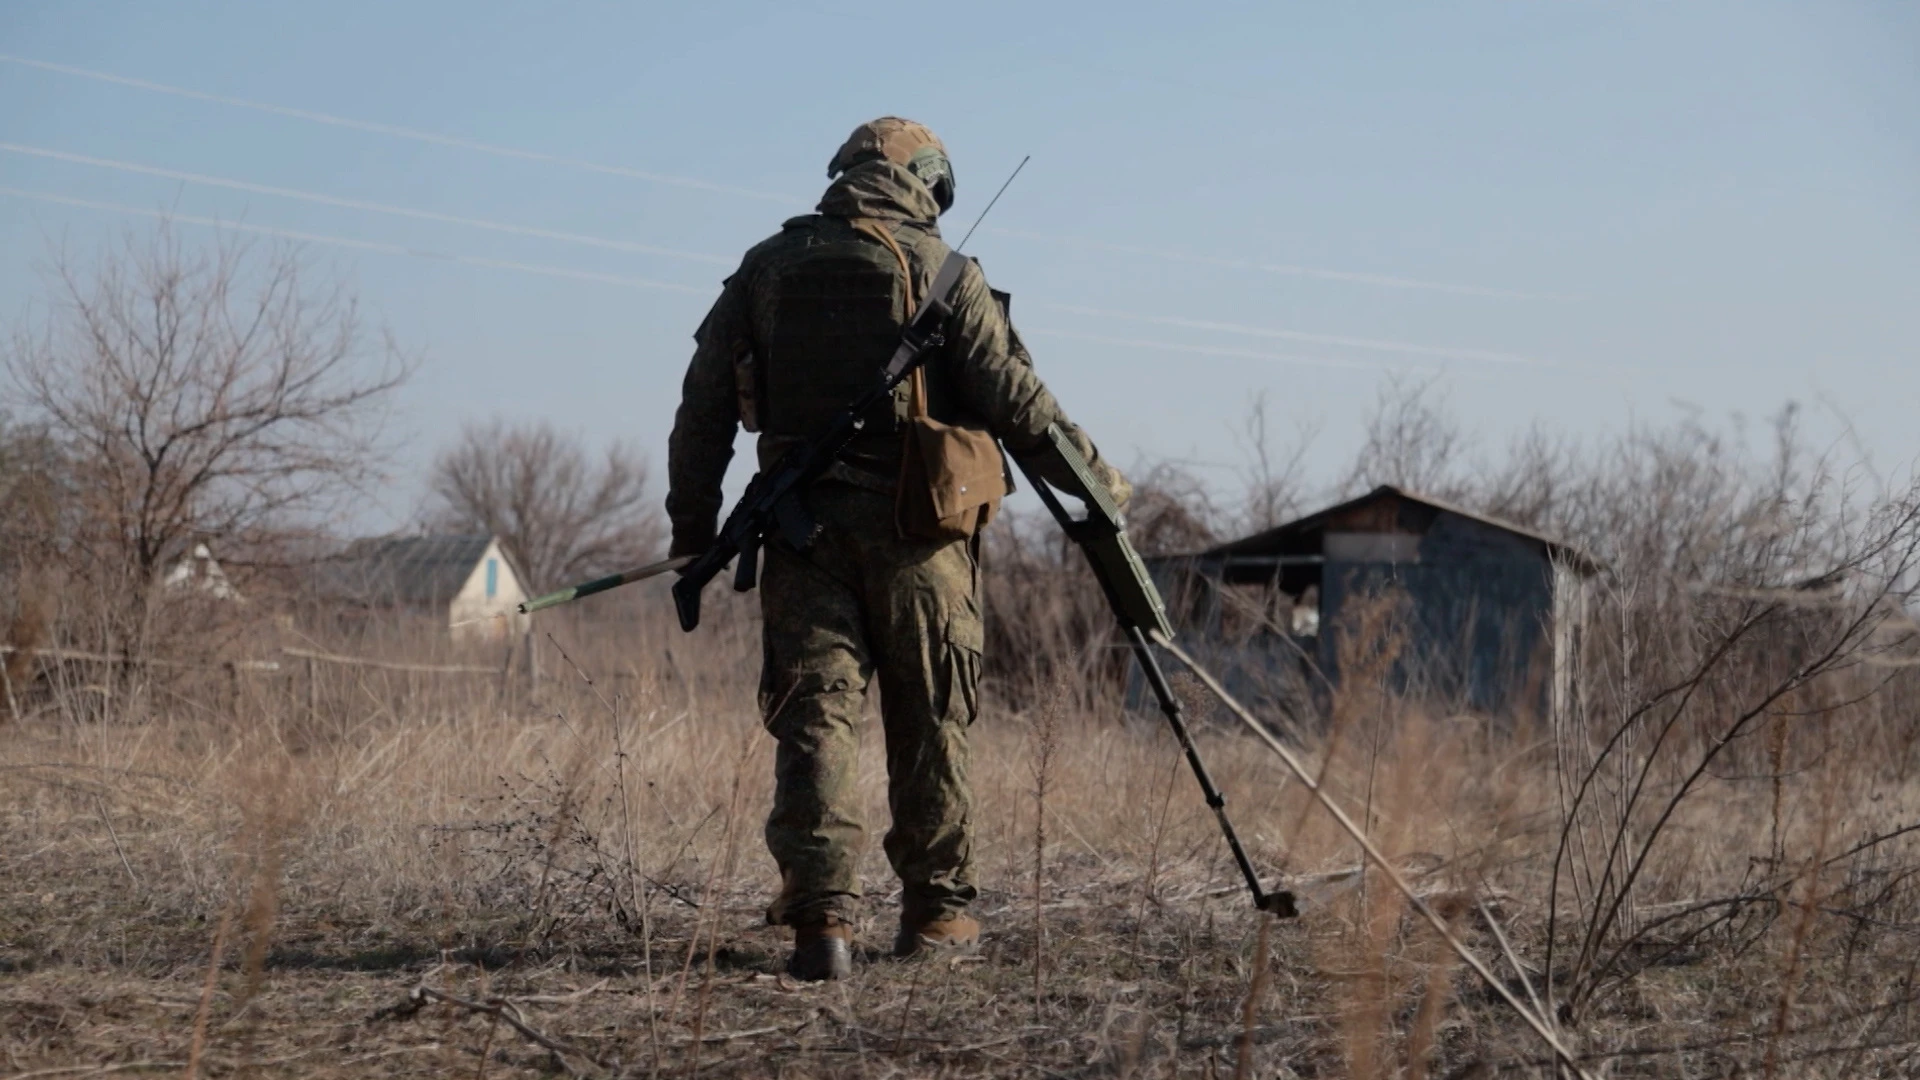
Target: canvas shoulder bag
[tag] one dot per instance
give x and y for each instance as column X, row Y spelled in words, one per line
column 952, row 477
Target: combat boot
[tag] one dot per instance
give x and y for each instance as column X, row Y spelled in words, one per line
column 822, row 952
column 955, row 932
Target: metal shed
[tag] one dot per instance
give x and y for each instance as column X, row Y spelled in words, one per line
column 1485, row 615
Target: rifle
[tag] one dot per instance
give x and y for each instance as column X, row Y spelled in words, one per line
column 773, row 499
column 1102, row 537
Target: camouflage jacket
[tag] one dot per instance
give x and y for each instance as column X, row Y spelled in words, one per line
column 983, row 377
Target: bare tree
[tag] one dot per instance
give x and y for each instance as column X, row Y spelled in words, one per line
column 560, row 513
column 1172, row 513
column 1529, row 487
column 34, row 498
column 1411, row 440
column 36, row 494
column 199, row 393
column 1275, row 474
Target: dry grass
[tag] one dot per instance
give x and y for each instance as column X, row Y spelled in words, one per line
column 575, row 882
column 1709, row 865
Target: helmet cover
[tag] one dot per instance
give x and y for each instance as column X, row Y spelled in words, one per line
column 905, row 143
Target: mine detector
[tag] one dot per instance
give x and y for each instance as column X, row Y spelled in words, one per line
column 1101, row 535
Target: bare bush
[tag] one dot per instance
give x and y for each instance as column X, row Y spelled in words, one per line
column 1274, row 476
column 194, row 394
column 560, row 514
column 36, row 494
column 1411, row 441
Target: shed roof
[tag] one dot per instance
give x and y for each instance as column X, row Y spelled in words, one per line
column 1304, row 533
column 412, row 570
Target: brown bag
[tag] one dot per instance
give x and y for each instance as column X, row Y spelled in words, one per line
column 952, row 478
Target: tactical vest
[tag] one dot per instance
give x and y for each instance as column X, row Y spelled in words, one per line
column 839, row 300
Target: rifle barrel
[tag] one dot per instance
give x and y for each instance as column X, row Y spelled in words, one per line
column 602, row 584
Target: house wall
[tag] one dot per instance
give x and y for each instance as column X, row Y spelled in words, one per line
column 1571, row 598
column 468, row 615
column 1479, row 602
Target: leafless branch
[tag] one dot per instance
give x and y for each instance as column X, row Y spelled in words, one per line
column 560, row 514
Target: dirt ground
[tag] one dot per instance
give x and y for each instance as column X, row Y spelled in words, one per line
column 99, row 981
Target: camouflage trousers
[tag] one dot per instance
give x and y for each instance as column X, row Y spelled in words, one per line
column 860, row 603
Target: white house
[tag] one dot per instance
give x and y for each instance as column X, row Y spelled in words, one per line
column 465, row 580
column 200, row 571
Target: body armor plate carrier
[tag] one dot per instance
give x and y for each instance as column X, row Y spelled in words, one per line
column 840, row 304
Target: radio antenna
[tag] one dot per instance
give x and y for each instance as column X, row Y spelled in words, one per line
column 995, row 199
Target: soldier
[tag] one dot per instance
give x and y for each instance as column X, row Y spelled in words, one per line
column 804, row 326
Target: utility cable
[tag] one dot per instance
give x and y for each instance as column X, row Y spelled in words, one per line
column 629, row 281
column 1241, row 329
column 1439, row 352
column 1227, row 351
column 404, row 132
column 359, row 204
column 361, row 245
column 1390, row 281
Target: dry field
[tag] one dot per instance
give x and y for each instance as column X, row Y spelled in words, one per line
column 1707, row 866
column 405, row 874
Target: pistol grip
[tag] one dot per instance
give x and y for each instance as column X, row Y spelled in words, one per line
column 746, row 572
column 686, row 603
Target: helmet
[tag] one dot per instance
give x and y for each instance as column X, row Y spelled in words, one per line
column 904, row 143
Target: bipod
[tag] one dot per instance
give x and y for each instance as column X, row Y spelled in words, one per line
column 1279, row 902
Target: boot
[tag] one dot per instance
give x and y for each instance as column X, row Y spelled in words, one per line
column 822, row 952
column 952, row 932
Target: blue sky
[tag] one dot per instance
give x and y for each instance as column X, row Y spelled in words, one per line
column 1581, row 213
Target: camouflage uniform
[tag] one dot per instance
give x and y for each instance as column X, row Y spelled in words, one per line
column 862, row 600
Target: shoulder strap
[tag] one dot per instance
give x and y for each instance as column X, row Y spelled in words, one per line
column 875, row 228
column 917, row 395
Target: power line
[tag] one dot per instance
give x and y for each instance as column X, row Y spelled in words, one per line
column 361, row 245
column 404, row 132
column 628, row 281
column 1373, row 344
column 1228, row 352
column 1388, row 281
column 358, row 204
column 643, row 283
column 1321, row 273
column 1410, row 348
column 1440, row 352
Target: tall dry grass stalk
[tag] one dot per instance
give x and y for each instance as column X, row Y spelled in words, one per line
column 204, row 1011
column 1256, row 991
column 1045, row 742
